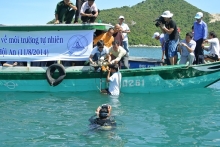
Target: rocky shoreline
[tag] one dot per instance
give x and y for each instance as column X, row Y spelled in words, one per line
column 215, row 17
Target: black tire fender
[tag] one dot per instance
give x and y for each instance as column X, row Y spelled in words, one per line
column 50, row 71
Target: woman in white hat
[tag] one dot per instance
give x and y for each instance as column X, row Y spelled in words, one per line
column 171, row 29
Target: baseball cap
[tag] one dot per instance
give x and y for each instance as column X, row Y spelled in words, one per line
column 121, row 17
column 156, row 34
column 199, row 15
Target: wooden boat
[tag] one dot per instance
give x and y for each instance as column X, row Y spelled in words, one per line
column 84, row 78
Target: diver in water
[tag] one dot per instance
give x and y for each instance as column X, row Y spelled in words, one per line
column 102, row 120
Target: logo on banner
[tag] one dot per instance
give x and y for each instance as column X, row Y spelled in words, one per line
column 77, row 45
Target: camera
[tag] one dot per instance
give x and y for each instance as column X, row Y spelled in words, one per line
column 104, row 106
column 159, row 20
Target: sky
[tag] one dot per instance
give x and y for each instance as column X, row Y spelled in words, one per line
column 42, row 11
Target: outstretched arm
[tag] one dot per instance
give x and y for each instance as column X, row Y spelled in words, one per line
column 108, row 76
column 57, row 20
column 97, row 110
column 72, row 6
column 109, row 58
column 90, row 59
column 10, row 65
column 68, row 3
column 190, row 49
column 109, row 109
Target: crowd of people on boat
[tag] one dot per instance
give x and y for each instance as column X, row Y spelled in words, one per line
column 114, row 41
column 111, row 45
column 114, row 45
column 192, row 47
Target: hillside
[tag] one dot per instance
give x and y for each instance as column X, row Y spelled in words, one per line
column 140, row 18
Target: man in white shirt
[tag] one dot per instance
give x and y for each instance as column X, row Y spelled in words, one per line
column 160, row 37
column 186, row 49
column 114, row 80
column 89, row 12
column 125, row 31
column 100, row 51
column 213, row 47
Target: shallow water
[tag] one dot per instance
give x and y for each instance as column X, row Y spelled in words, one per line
column 180, row 118
column 189, row 117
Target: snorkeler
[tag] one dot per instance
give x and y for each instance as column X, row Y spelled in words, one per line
column 102, row 120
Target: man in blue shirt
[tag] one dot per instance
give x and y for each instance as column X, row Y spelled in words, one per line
column 200, row 35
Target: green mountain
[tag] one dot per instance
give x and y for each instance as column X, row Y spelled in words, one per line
column 141, row 16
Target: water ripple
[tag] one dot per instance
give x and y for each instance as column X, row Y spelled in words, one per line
column 181, row 118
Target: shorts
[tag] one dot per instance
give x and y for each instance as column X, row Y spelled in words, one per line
column 172, row 48
column 213, row 57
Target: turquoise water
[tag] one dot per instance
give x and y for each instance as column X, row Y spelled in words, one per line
column 189, row 117
column 146, row 52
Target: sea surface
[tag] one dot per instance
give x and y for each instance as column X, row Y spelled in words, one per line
column 183, row 118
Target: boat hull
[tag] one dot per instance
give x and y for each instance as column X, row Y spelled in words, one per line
column 141, row 62
column 80, row 79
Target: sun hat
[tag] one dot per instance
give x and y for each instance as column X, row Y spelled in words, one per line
column 199, row 15
column 121, row 17
column 156, row 34
column 167, row 14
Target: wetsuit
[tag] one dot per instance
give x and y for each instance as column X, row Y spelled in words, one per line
column 108, row 123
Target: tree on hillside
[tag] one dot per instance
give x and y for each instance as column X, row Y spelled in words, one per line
column 141, row 16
